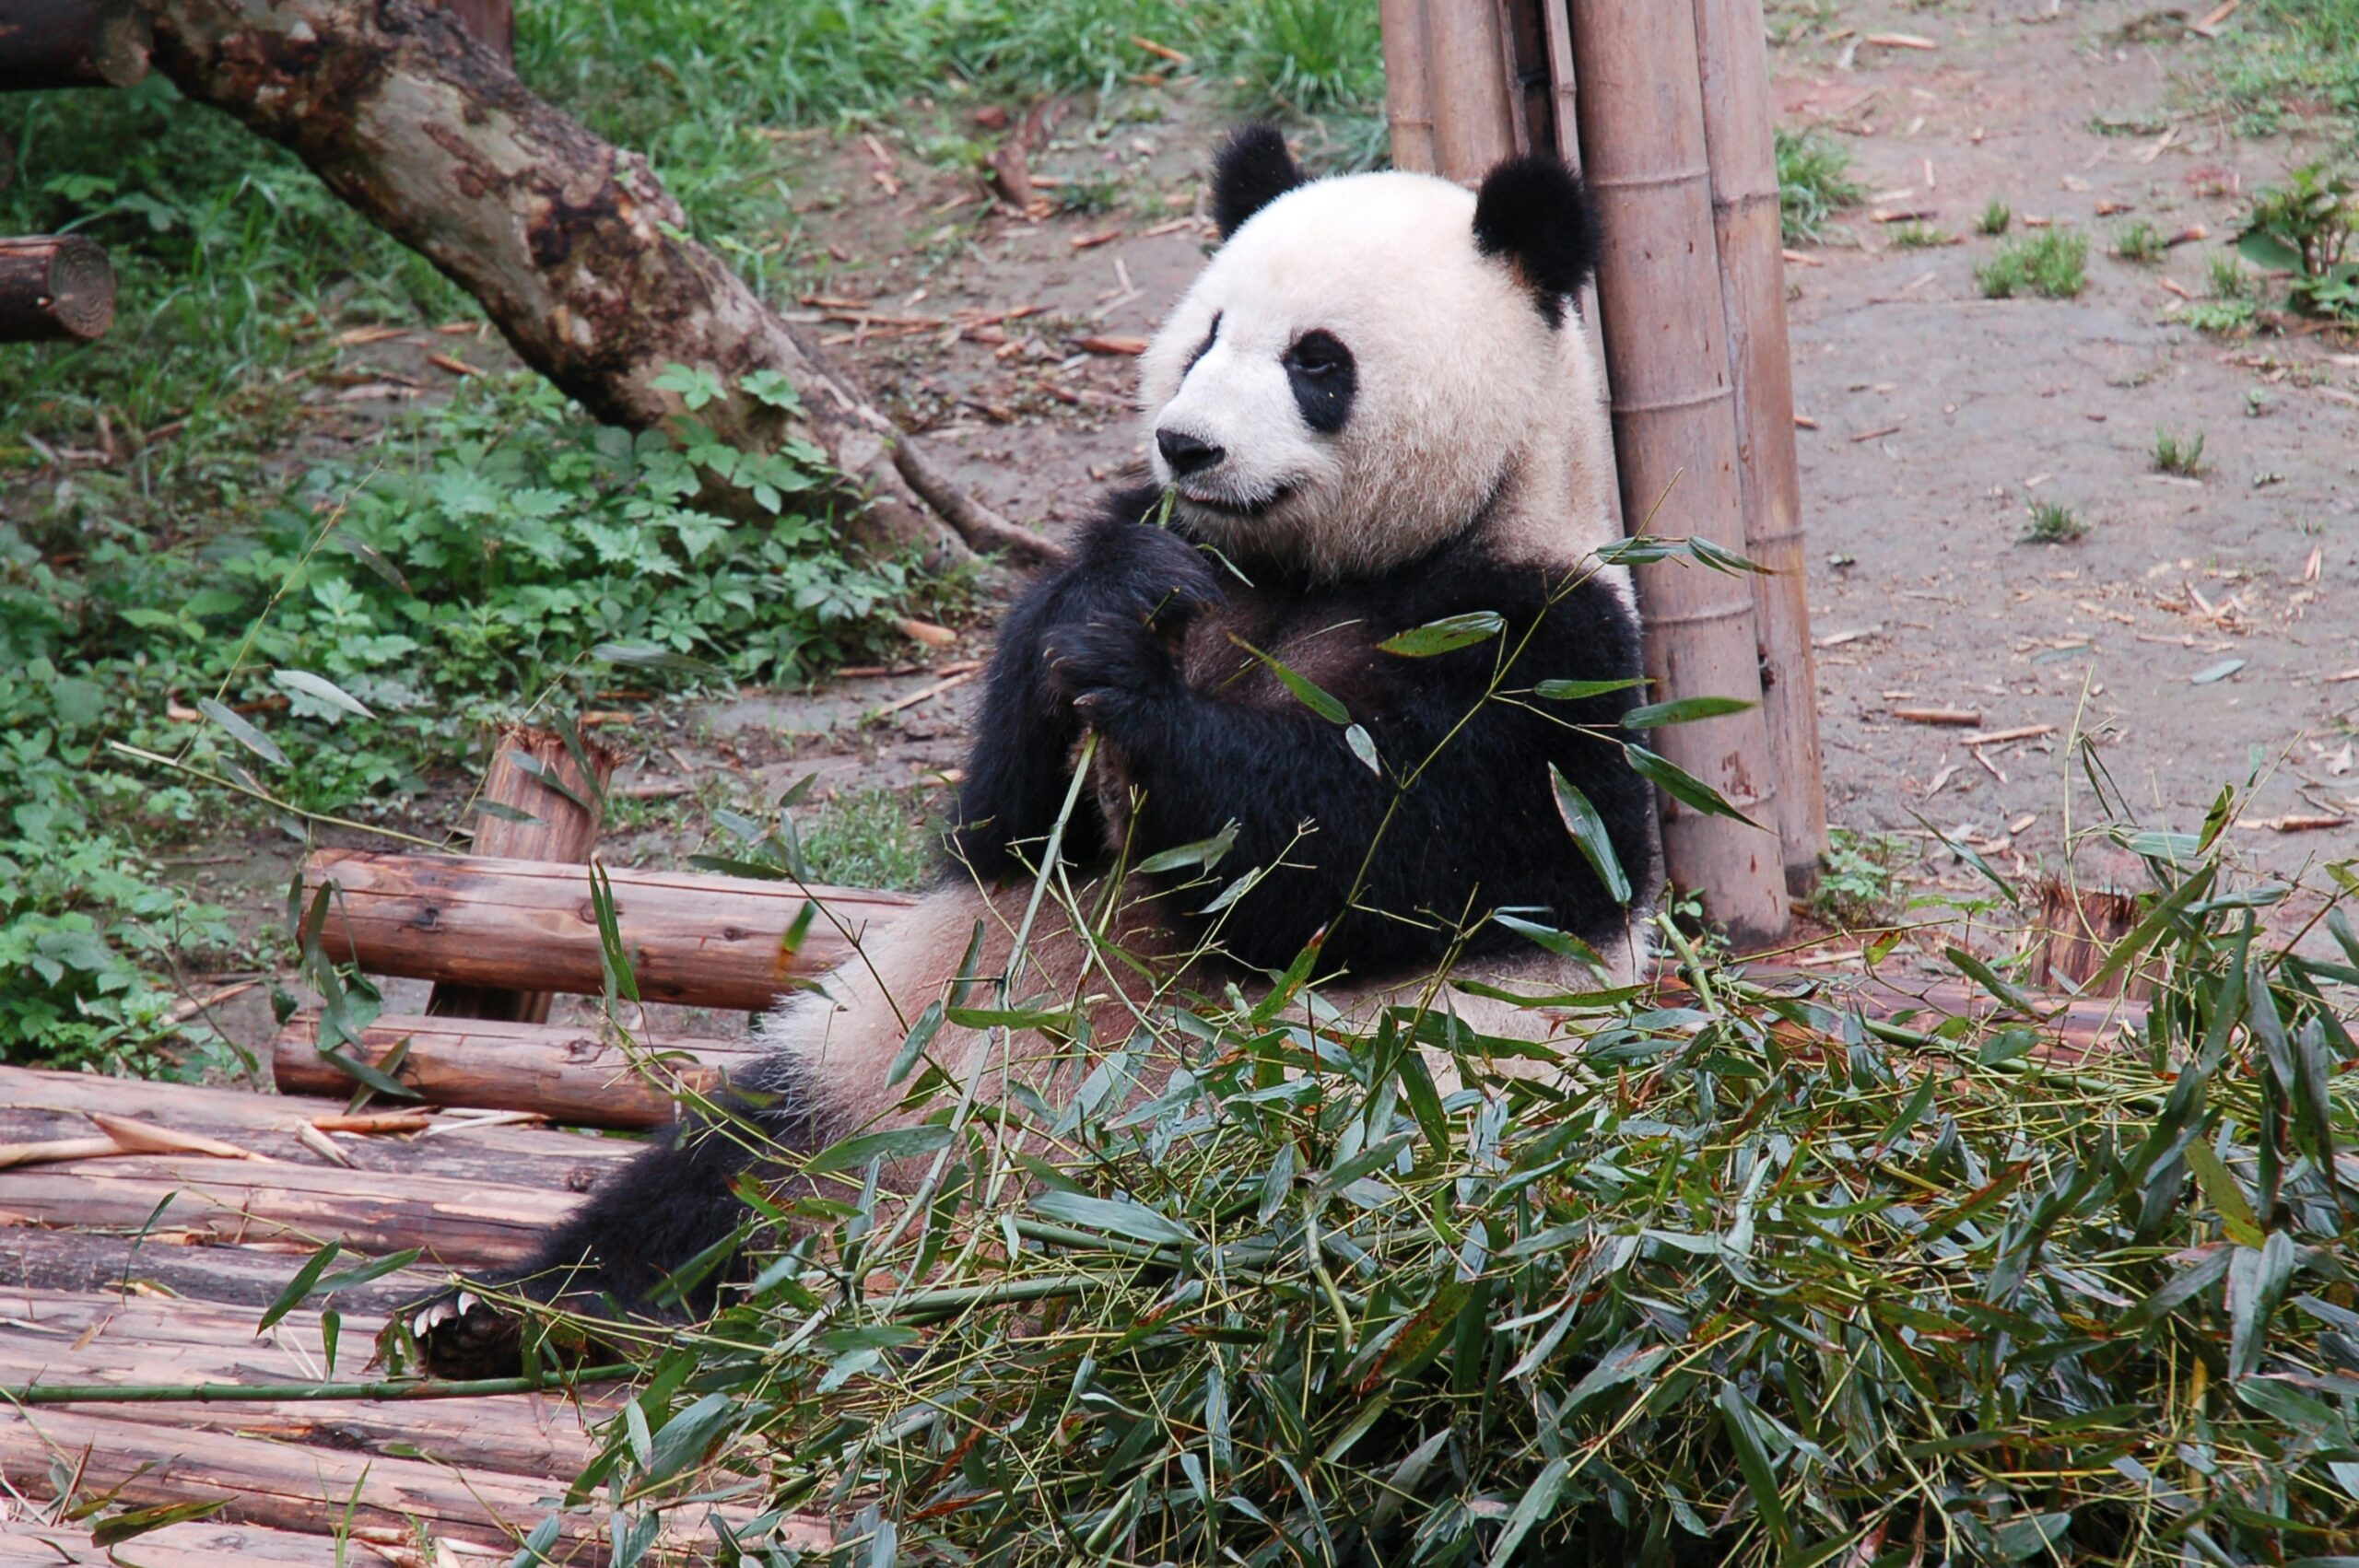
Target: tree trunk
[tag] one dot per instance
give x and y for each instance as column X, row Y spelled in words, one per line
column 53, row 289
column 574, row 250
column 71, row 44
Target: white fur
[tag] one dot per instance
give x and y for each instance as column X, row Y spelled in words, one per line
column 1464, row 392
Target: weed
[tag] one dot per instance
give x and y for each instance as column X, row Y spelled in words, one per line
column 1914, row 236
column 2182, row 455
column 2053, row 263
column 2052, row 523
column 872, row 838
column 2140, row 242
column 2229, row 279
column 2308, row 228
column 1814, row 183
column 2287, row 58
column 1995, row 219
column 1859, row 884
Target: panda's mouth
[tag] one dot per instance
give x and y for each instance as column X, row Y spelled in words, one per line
column 1228, row 508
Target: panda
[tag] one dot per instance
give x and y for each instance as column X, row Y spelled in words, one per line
column 1375, row 410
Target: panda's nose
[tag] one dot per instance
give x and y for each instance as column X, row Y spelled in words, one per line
column 1185, row 453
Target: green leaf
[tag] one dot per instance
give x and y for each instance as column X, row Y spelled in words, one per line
column 1990, row 981
column 1443, row 636
column 1752, row 1459
column 1589, row 836
column 300, row 1286
column 1686, row 710
column 323, row 689
column 645, row 656
column 1131, row 1222
column 1531, row 1508
column 1205, row 852
column 375, row 1076
column 1680, row 785
column 2263, row 248
column 2225, row 1195
column 139, row 1521
column 913, row 1045
column 892, row 1143
column 244, row 734
column 1310, row 696
column 1363, row 747
column 1574, row 691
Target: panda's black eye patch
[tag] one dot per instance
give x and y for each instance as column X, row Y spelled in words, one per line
column 1206, row 347
column 1321, row 373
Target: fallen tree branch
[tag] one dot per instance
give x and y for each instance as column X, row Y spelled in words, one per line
column 577, row 253
column 977, row 524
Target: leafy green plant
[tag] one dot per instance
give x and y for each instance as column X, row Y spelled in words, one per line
column 1915, row 236
column 1995, row 219
column 2306, row 228
column 2052, row 523
column 2053, row 263
column 1723, row 1275
column 1814, row 184
column 2178, row 454
column 1859, row 883
column 2140, row 242
column 2292, row 59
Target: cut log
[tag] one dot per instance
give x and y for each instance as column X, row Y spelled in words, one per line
column 54, row 289
column 569, row 1074
column 491, row 21
column 1732, row 40
column 198, row 1543
column 693, row 938
column 71, row 44
column 128, row 1269
column 562, row 826
column 1643, row 151
column 457, row 1222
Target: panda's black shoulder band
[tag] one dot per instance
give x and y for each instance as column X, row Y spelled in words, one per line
column 1537, row 214
column 1253, row 169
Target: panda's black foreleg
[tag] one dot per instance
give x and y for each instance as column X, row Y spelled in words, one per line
column 641, row 1247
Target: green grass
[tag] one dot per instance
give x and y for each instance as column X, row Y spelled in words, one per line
column 2052, row 523
column 2140, row 242
column 872, row 837
column 2290, row 60
column 1995, row 219
column 2178, row 454
column 1915, row 236
column 1814, row 184
column 2053, row 264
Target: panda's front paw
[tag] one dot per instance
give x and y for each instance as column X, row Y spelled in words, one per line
column 461, row 1335
column 1116, row 675
column 1151, row 575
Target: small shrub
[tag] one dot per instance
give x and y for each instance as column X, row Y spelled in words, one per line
column 1995, row 219
column 1814, row 184
column 2140, row 242
column 1914, row 236
column 2052, row 523
column 2306, row 228
column 2178, row 454
column 1859, row 883
column 2053, row 264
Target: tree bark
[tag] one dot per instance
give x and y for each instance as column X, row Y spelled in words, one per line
column 53, row 289
column 71, row 44
column 575, row 251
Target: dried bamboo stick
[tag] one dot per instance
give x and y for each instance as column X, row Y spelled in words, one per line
column 1642, row 138
column 1730, row 41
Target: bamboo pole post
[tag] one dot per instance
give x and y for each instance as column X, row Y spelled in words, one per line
column 1732, row 43
column 532, row 820
column 72, row 44
column 1408, row 105
column 53, row 288
column 1641, row 119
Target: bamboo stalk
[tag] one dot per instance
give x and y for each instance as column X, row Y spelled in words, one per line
column 297, row 1393
column 1641, row 119
column 1408, row 102
column 1467, row 77
column 692, row 938
column 563, row 828
column 1731, row 44
column 1564, row 125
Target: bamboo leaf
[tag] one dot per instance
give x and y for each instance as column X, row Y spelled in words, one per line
column 1312, row 696
column 1752, row 1459
column 1537, row 1500
column 892, row 1143
column 1449, row 633
column 244, row 734
column 299, row 1287
column 1682, row 785
column 1205, row 852
column 323, row 689
column 1590, row 837
column 1686, row 710
column 1131, row 1222
column 1575, row 691
column 118, row 1527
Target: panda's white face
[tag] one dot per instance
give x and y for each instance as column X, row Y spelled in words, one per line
column 1352, row 380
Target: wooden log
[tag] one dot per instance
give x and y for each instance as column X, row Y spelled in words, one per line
column 493, row 21
column 1408, row 102
column 72, row 44
column 457, row 1222
column 124, row 1268
column 569, row 1074
column 692, row 937
column 1732, row 41
column 1642, row 141
column 562, row 827
column 54, row 287
column 197, row 1543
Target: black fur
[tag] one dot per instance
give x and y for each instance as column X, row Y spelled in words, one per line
column 1252, row 171
column 1537, row 214
column 1324, row 378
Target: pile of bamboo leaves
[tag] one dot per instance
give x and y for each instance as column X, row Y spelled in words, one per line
column 1753, row 1281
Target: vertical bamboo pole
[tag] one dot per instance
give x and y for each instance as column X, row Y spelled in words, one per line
column 1733, row 44
column 1641, row 117
column 1408, row 106
column 564, row 828
column 1565, row 126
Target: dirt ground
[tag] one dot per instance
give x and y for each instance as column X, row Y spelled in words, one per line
column 2204, row 629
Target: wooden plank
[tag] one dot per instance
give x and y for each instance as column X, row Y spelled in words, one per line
column 535, row 821
column 457, row 1222
column 692, row 937
column 54, row 287
column 570, row 1074
column 171, row 1265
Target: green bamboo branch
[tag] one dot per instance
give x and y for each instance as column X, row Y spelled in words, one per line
column 294, row 1393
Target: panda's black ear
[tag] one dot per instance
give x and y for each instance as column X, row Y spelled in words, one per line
column 1536, row 213
column 1251, row 171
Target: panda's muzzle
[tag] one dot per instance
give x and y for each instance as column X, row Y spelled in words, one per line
column 1227, row 508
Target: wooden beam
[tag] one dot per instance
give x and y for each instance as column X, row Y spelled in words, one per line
column 568, row 1073
column 692, row 937
column 1733, row 44
column 52, row 287
column 72, row 44
column 1643, row 148
column 558, row 824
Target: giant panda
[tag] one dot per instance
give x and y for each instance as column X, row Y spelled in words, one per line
column 1375, row 409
